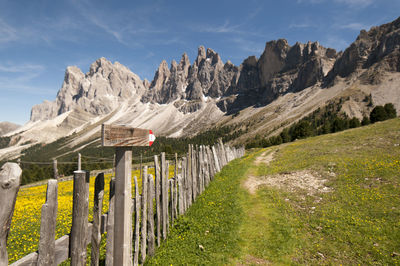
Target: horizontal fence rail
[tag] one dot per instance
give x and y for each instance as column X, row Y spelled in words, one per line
column 154, row 209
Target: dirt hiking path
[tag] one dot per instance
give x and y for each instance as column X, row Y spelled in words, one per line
column 255, row 230
column 253, row 182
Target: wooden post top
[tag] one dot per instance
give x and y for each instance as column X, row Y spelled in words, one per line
column 124, row 136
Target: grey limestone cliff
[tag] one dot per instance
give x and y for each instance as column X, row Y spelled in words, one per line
column 97, row 92
column 279, row 70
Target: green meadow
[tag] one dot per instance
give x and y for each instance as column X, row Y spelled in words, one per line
column 331, row 199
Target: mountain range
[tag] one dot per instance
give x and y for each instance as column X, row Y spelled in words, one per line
column 6, row 127
column 262, row 95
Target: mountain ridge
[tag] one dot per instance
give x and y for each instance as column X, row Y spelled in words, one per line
column 284, row 84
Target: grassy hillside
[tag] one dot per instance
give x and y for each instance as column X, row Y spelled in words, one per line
column 331, row 199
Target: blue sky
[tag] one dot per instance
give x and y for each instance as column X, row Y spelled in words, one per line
column 39, row 39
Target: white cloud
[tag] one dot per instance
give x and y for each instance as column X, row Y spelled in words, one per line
column 107, row 28
column 21, row 68
column 355, row 3
column 14, row 85
column 43, row 31
column 350, row 3
column 121, row 25
column 7, row 32
column 302, row 25
column 249, row 46
column 19, row 77
column 150, row 54
column 335, row 42
column 310, row 1
column 354, row 26
column 224, row 28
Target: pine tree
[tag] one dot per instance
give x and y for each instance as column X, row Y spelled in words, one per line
column 390, row 110
column 365, row 121
column 378, row 114
column 354, row 122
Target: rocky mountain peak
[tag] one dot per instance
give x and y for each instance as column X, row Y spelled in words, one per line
column 209, row 76
column 213, row 56
column 378, row 48
column 280, row 69
column 184, row 61
column 174, row 66
column 72, row 75
column 273, row 59
column 201, row 54
column 250, row 61
column 102, row 66
column 146, row 84
column 161, row 75
column 90, row 93
column 184, row 65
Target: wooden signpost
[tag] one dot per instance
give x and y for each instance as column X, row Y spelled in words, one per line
column 124, row 138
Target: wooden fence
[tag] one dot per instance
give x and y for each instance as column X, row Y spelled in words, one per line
column 150, row 225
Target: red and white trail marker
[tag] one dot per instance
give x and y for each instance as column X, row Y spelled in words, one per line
column 152, row 137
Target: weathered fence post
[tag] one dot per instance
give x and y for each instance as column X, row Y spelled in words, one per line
column 114, row 164
column 176, row 165
column 194, row 173
column 164, row 196
column 206, row 167
column 189, row 189
column 137, row 223
column 172, row 191
column 224, row 154
column 48, row 226
column 97, row 211
column 157, row 195
column 10, row 175
column 79, row 162
column 175, row 194
column 181, row 206
column 144, row 215
column 150, row 217
column 80, row 212
column 199, row 170
column 175, row 207
column 202, row 168
column 110, row 225
column 55, row 169
column 211, row 163
column 183, row 185
column 217, row 162
column 122, row 218
column 166, row 192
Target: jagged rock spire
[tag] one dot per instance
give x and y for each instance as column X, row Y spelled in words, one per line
column 97, row 92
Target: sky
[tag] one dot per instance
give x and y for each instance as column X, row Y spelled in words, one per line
column 39, row 39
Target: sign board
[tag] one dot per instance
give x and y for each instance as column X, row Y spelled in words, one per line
column 123, row 136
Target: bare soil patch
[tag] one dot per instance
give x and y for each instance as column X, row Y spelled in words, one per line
column 251, row 260
column 265, row 158
column 305, row 180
